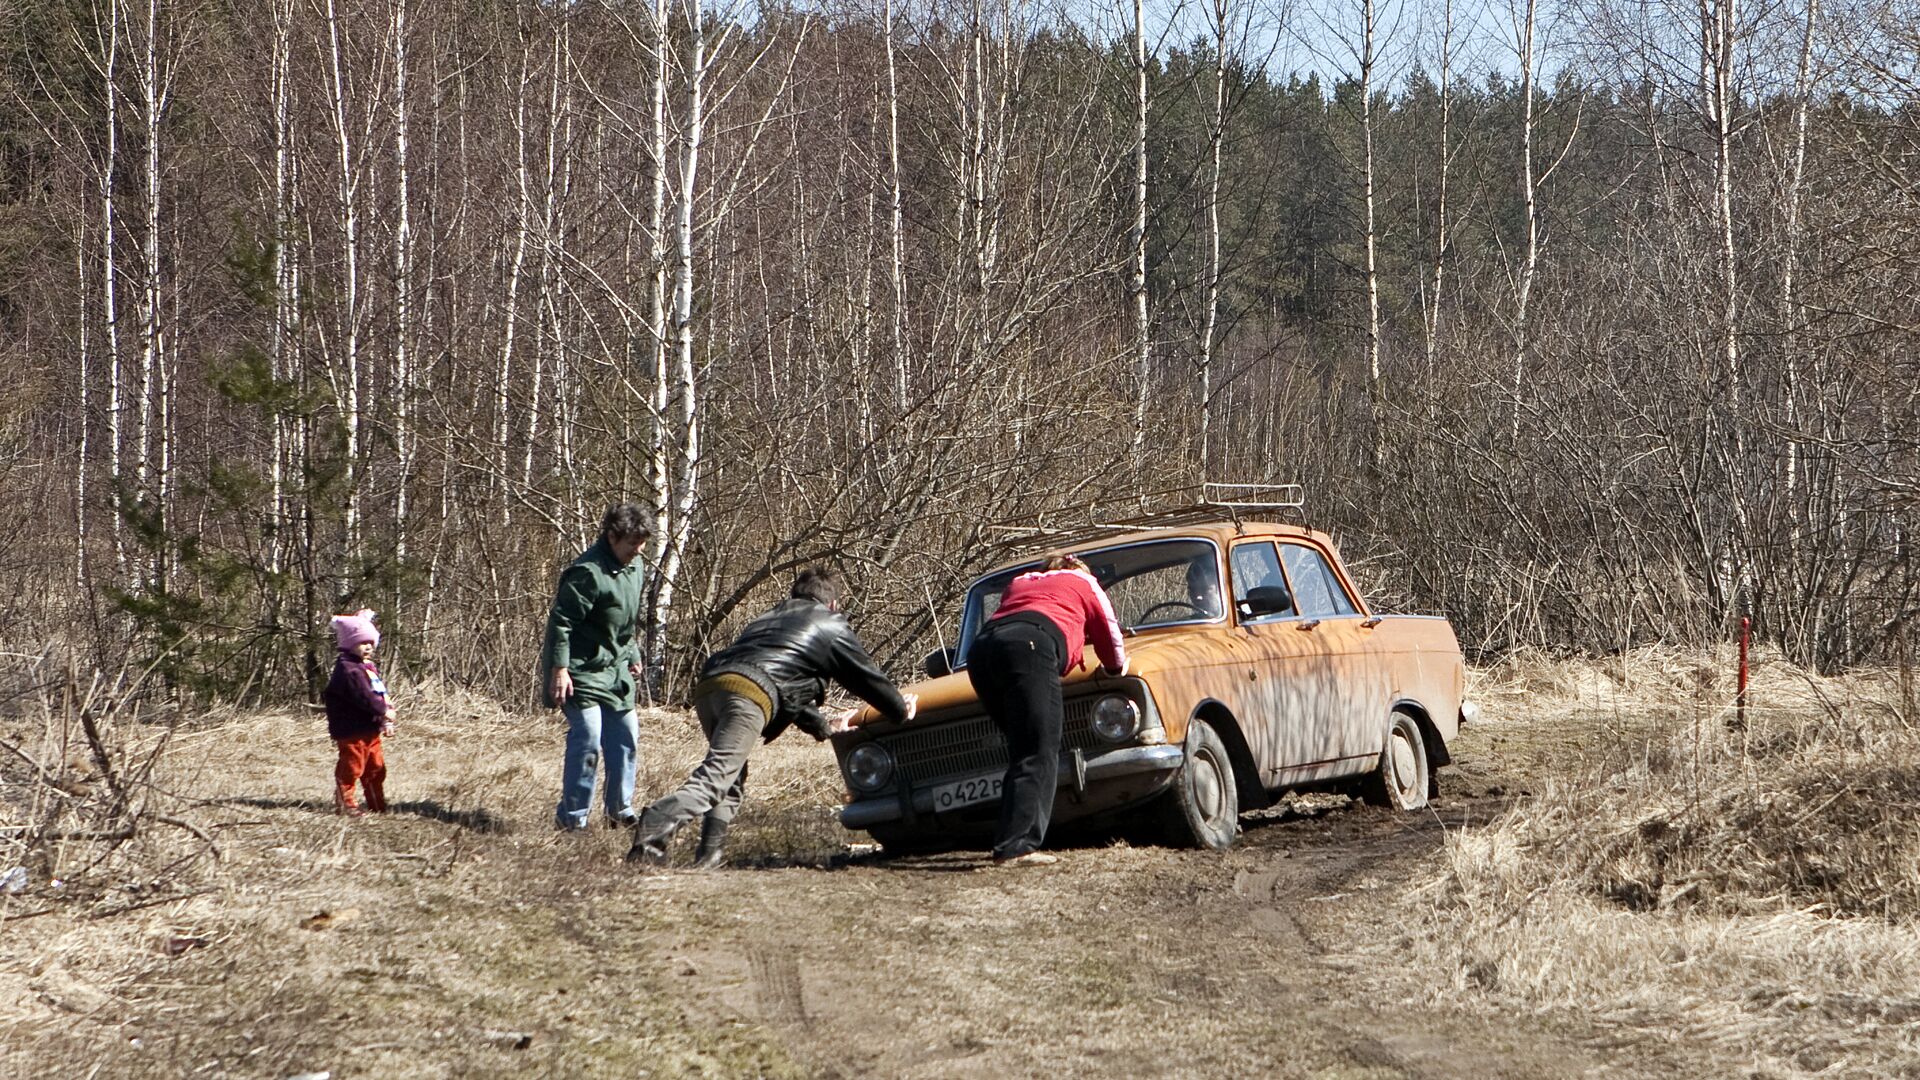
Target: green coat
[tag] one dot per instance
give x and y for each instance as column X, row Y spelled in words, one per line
column 590, row 629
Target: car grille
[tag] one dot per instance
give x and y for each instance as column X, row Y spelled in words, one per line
column 971, row 745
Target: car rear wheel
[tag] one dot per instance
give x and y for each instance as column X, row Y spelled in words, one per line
column 1400, row 779
column 1203, row 807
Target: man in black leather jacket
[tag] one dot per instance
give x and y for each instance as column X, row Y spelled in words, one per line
column 773, row 676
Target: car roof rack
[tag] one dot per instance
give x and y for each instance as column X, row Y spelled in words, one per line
column 1237, row 497
column 1217, row 500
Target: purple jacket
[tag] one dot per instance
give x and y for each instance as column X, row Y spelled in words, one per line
column 356, row 698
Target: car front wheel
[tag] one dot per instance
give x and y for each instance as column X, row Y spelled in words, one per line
column 1400, row 778
column 1203, row 807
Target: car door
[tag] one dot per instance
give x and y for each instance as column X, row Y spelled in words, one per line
column 1294, row 709
column 1355, row 699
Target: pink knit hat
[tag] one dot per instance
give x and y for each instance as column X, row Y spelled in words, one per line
column 353, row 629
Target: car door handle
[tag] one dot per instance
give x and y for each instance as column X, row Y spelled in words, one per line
column 1371, row 623
column 1310, row 624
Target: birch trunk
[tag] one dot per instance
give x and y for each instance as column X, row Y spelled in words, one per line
column 1437, row 274
column 1369, row 21
column 897, row 231
column 154, row 388
column 523, row 212
column 285, row 299
column 1789, row 299
column 1523, row 287
column 84, row 348
column 1142, row 343
column 685, row 390
column 109, row 279
column 976, row 195
column 658, row 466
column 1724, row 14
column 546, row 340
column 1216, row 137
column 403, row 435
column 1721, row 27
column 347, row 391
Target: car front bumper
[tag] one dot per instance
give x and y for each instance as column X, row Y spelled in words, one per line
column 1089, row 769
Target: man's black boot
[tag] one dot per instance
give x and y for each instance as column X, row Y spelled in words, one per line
column 650, row 838
column 713, row 836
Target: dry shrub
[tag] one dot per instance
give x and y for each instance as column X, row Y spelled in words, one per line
column 1806, row 805
column 84, row 818
column 1758, row 885
column 1835, row 835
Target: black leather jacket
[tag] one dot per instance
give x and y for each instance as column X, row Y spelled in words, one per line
column 791, row 651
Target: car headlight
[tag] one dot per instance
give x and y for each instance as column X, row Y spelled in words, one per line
column 869, row 767
column 1116, row 718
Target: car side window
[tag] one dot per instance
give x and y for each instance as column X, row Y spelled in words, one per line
column 1317, row 590
column 1259, row 588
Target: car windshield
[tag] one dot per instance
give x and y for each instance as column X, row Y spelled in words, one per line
column 1156, row 583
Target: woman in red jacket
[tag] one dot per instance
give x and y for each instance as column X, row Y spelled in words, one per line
column 1044, row 622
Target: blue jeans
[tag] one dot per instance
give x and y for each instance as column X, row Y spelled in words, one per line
column 593, row 732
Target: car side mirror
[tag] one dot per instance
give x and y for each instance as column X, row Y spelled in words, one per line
column 1266, row 600
column 939, row 662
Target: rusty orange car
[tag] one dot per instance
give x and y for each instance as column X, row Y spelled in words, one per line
column 1255, row 667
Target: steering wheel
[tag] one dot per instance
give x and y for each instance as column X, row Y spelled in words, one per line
column 1147, row 615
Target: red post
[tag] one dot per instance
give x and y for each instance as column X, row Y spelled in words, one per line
column 1740, row 700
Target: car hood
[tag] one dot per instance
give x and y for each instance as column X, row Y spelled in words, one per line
column 1148, row 652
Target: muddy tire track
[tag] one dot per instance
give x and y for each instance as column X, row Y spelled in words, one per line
column 779, row 994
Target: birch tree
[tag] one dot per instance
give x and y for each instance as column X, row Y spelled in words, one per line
column 110, row 270
column 896, row 230
column 1525, row 22
column 510, row 326
column 1142, row 340
column 283, row 357
column 346, row 374
column 1435, row 298
column 403, row 330
column 1369, row 27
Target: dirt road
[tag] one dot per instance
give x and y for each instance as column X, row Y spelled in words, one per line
column 462, row 937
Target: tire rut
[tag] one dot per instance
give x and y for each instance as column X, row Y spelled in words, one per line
column 778, row 991
column 1293, row 868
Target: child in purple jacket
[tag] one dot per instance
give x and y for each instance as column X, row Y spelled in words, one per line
column 358, row 714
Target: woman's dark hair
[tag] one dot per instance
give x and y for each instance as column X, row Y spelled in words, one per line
column 820, row 583
column 624, row 521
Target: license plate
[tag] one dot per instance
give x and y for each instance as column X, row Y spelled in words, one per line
column 966, row 792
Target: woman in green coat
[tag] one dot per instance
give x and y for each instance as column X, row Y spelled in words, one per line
column 590, row 665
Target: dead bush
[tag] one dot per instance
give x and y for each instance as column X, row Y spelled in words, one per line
column 1672, row 859
column 84, row 820
column 1836, row 835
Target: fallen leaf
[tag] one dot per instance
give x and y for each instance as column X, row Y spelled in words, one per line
column 177, row 945
column 326, row 919
column 518, row 1040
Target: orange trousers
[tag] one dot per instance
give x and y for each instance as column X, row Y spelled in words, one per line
column 362, row 762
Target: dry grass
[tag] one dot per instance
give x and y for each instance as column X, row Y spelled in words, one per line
column 1750, row 891
column 456, row 924
column 1756, row 887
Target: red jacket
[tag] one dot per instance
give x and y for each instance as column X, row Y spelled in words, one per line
column 1075, row 603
